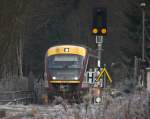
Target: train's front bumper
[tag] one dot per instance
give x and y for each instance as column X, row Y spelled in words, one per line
column 64, row 81
column 63, row 85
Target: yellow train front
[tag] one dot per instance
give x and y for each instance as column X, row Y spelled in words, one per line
column 65, row 66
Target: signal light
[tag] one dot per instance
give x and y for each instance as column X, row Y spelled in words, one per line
column 99, row 26
column 103, row 30
column 98, row 100
column 94, row 30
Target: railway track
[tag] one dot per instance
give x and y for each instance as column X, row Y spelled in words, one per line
column 47, row 111
column 16, row 97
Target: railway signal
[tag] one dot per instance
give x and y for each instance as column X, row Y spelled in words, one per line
column 99, row 30
column 99, row 26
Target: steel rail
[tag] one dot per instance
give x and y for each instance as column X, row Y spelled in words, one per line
column 24, row 96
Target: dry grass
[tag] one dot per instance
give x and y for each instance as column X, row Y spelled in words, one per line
column 135, row 106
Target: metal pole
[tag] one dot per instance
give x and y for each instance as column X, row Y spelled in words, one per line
column 143, row 35
column 104, row 78
column 143, row 29
column 143, row 39
column 135, row 68
column 99, row 41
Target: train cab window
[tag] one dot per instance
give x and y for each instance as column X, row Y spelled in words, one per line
column 65, row 61
column 65, row 66
column 66, row 58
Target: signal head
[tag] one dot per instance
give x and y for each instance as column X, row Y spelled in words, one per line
column 99, row 26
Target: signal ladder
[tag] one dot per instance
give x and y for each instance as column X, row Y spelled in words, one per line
column 101, row 110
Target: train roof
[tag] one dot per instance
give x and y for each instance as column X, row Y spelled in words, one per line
column 91, row 52
column 77, row 45
column 67, row 49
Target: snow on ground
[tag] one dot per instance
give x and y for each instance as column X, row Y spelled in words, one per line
column 60, row 111
column 135, row 106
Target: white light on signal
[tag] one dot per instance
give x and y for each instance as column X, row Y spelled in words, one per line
column 98, row 99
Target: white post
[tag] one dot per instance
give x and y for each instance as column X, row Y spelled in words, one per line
column 99, row 41
column 148, row 78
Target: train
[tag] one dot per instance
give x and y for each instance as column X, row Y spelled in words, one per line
column 65, row 67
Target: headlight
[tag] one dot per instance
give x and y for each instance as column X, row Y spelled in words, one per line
column 54, row 77
column 98, row 99
column 66, row 49
column 75, row 78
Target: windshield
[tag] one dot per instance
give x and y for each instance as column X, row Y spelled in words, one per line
column 65, row 61
column 65, row 66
